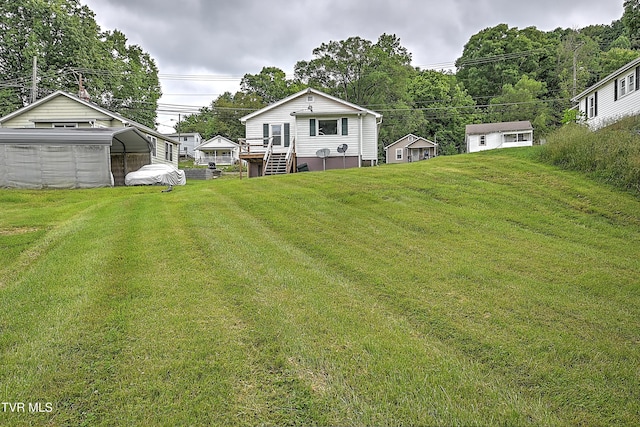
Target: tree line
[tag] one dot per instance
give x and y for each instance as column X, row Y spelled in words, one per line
column 504, row 74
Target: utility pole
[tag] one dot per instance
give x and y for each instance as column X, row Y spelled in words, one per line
column 34, row 78
column 575, row 67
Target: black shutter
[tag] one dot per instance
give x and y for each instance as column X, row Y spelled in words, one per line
column 615, row 90
column 595, row 104
column 312, row 127
column 345, row 126
column 265, row 134
column 637, row 77
column 287, row 134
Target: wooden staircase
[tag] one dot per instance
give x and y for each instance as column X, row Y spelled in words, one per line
column 276, row 164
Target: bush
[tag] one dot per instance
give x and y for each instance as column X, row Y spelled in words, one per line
column 611, row 154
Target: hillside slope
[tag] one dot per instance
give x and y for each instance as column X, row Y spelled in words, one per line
column 466, row 290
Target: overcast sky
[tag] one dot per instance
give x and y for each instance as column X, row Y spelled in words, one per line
column 204, row 47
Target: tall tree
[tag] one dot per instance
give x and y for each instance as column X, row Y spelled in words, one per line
column 270, row 84
column 222, row 117
column 358, row 70
column 66, row 41
column 523, row 101
column 631, row 21
column 446, row 108
column 501, row 55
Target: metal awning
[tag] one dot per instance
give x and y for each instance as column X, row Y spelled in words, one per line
column 121, row 140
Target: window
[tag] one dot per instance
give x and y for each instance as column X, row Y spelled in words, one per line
column 185, row 138
column 398, row 153
column 631, row 80
column 592, row 106
column 154, row 143
column 276, row 134
column 309, row 98
column 64, row 125
column 483, row 140
column 517, row 137
column 623, row 87
column 168, row 151
column 327, row 127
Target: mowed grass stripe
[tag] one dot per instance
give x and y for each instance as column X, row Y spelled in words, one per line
column 322, row 319
column 452, row 291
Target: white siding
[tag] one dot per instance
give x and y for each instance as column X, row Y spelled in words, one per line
column 610, row 110
column 56, row 109
column 306, row 145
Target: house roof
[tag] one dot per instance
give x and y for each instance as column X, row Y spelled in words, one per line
column 307, row 91
column 621, row 70
column 218, row 141
column 105, row 113
column 128, row 139
column 497, row 127
column 408, row 143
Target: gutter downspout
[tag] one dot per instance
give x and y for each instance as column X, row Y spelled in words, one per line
column 360, row 142
column 378, row 126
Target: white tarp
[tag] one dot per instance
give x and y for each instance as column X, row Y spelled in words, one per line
column 156, row 174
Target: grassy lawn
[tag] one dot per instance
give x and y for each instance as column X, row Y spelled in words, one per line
column 468, row 290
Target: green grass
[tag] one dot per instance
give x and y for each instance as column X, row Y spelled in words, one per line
column 482, row 289
column 610, row 155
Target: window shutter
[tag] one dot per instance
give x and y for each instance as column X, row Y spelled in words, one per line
column 595, row 104
column 312, row 127
column 615, row 90
column 287, row 134
column 345, row 126
column 265, row 134
column 637, row 77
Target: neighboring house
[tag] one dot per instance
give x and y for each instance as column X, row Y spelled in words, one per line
column 610, row 99
column 188, row 143
column 489, row 136
column 410, row 148
column 218, row 150
column 70, row 157
column 309, row 130
column 63, row 110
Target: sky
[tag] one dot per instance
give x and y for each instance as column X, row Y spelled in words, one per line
column 203, row 47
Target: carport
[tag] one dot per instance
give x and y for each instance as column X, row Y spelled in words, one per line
column 70, row 157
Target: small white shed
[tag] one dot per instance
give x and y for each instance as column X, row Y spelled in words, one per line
column 489, row 136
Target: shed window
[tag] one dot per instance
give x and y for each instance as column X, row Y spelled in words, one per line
column 483, row 140
column 398, row 153
column 168, row 151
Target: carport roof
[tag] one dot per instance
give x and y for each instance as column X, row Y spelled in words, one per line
column 128, row 139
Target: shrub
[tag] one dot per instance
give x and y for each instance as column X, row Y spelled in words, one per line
column 611, row 154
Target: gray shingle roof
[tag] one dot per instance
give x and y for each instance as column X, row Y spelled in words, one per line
column 498, row 127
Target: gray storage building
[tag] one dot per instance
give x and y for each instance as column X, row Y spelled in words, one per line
column 70, row 157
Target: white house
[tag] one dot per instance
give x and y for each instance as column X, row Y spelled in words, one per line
column 309, row 130
column 218, row 150
column 489, row 136
column 61, row 110
column 612, row 98
column 188, row 142
column 410, row 148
